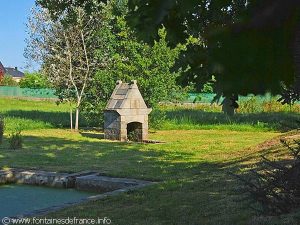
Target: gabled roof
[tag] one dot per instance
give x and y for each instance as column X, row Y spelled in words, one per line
column 14, row 72
column 126, row 96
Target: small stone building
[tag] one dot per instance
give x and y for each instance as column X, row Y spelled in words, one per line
column 126, row 114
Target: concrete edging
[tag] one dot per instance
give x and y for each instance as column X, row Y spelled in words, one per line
column 87, row 179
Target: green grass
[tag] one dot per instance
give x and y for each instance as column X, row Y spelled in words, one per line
column 30, row 115
column 272, row 118
column 33, row 114
column 193, row 167
column 197, row 119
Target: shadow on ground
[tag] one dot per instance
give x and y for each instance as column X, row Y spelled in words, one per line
column 56, row 119
column 92, row 135
column 189, row 190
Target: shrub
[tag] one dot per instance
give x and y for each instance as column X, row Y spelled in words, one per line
column 8, row 81
column 34, row 81
column 275, row 106
column 1, row 129
column 276, row 186
column 16, row 140
column 157, row 117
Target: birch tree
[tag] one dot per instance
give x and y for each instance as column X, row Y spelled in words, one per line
column 64, row 47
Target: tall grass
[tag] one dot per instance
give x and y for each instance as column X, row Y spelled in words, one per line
column 252, row 115
column 255, row 105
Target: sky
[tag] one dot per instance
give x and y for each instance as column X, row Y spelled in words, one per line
column 13, row 18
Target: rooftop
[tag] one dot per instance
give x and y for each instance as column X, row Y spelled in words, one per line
column 126, row 96
column 14, row 72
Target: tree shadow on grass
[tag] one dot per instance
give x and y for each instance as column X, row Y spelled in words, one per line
column 252, row 178
column 281, row 121
column 113, row 158
column 56, row 119
column 189, row 190
column 92, row 135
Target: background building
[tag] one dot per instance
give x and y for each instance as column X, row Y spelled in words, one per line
column 11, row 71
column 15, row 73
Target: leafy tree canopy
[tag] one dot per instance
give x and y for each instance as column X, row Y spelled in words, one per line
column 122, row 56
column 248, row 44
column 119, row 55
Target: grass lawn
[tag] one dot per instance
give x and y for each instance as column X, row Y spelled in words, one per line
column 193, row 170
column 29, row 115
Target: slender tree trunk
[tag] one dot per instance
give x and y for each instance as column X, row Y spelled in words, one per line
column 77, row 119
column 71, row 118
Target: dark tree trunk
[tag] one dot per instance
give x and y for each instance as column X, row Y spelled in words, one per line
column 297, row 59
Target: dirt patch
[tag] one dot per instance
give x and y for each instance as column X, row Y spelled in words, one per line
column 274, row 142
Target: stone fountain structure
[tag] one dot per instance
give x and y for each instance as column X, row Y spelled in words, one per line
column 126, row 114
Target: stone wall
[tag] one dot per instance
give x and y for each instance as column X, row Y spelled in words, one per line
column 112, row 125
column 115, row 126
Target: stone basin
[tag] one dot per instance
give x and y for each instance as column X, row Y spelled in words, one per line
column 95, row 185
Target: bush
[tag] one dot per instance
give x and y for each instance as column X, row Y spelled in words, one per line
column 34, row 81
column 1, row 129
column 277, row 185
column 16, row 140
column 157, row 117
column 8, row 81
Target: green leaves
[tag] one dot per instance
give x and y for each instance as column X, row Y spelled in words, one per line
column 34, row 80
column 123, row 56
column 8, row 80
column 247, row 45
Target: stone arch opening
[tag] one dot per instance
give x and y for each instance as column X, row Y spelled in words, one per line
column 135, row 131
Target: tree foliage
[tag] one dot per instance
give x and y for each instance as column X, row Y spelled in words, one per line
column 199, row 18
column 122, row 56
column 116, row 51
column 248, row 44
column 34, row 80
column 65, row 47
column 8, row 80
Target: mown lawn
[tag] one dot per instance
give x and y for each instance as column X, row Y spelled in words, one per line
column 32, row 114
column 193, row 170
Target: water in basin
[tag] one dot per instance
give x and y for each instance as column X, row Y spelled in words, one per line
column 20, row 199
